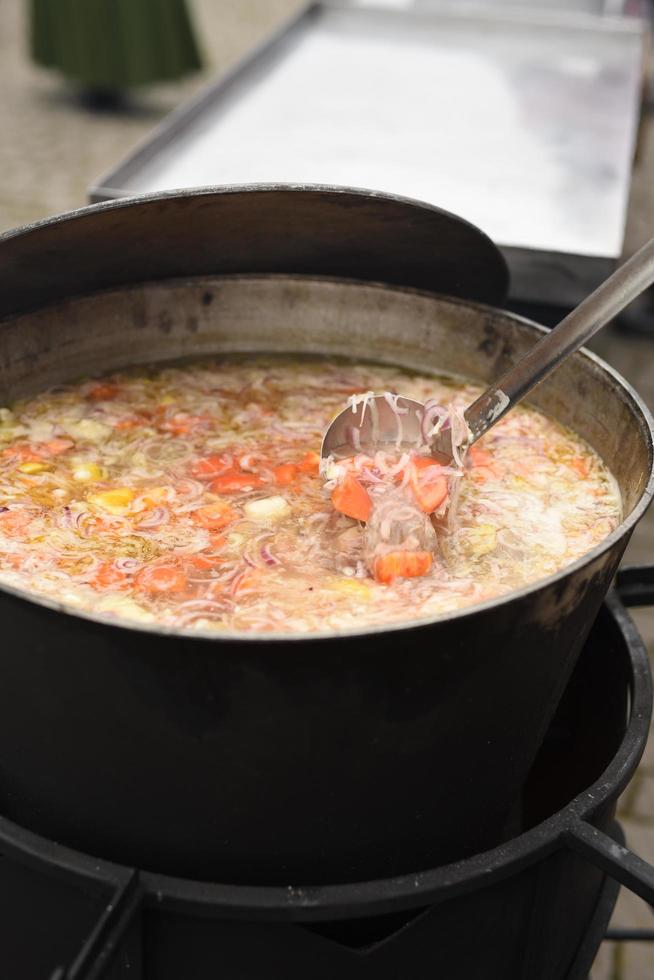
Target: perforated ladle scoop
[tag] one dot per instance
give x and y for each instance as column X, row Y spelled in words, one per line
column 373, row 424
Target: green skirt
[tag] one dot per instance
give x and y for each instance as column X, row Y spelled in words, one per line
column 114, row 43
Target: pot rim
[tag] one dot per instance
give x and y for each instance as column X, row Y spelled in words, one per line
column 243, row 637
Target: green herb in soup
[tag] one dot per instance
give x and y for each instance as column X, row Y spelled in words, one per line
column 191, row 497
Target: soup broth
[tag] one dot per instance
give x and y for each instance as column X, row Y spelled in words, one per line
column 191, row 497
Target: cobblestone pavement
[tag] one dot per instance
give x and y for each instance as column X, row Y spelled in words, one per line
column 52, row 149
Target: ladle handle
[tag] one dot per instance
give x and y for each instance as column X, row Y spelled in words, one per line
column 609, row 299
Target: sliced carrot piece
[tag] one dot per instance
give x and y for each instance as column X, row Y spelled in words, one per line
column 107, row 575
column 182, row 425
column 351, row 498
column 22, row 451
column 581, row 465
column 14, row 561
column 128, row 423
column 214, row 516
column 310, row 463
column 201, row 561
column 13, row 522
column 428, row 483
column 482, row 461
column 160, row 578
column 102, row 391
column 285, row 474
column 55, row 447
column 401, row 564
column 244, row 580
column 32, row 453
column 210, row 466
column 480, row 456
column 232, row 481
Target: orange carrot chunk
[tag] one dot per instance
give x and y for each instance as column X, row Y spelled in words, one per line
column 581, row 465
column 160, row 578
column 285, row 474
column 22, row 451
column 310, row 463
column 214, row 516
column 351, row 499
column 128, row 423
column 480, row 456
column 428, row 483
column 14, row 522
column 209, row 466
column 401, row 564
column 202, row 562
column 102, row 392
column 55, row 447
column 106, row 575
column 232, row 481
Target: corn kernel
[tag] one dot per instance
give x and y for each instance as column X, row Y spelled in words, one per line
column 352, row 587
column 154, row 496
column 33, row 467
column 114, row 501
column 482, row 539
column 88, row 473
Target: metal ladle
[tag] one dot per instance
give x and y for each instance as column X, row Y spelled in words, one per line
column 594, row 312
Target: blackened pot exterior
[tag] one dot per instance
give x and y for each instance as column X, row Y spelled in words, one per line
column 328, row 758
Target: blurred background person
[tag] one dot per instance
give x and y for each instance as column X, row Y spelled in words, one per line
column 108, row 47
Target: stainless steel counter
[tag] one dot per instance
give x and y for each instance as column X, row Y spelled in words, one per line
column 524, row 122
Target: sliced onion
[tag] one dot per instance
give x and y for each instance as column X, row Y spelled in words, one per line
column 156, row 517
column 268, row 556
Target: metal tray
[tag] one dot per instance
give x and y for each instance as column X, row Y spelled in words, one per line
column 523, row 123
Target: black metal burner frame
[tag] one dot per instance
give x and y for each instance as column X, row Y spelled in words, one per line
column 112, row 950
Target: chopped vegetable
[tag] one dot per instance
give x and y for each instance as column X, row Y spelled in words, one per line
column 214, row 516
column 114, row 501
column 581, row 465
column 479, row 456
column 102, row 391
column 89, row 430
column 88, row 473
column 54, row 447
column 14, row 522
column 107, row 575
column 310, row 463
column 32, row 467
column 160, row 578
column 267, row 509
column 401, row 564
column 351, row 587
column 482, row 539
column 210, row 466
column 235, row 482
column 428, row 483
column 285, row 474
column 351, row 498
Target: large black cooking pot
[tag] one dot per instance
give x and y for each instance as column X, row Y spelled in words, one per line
column 277, row 759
